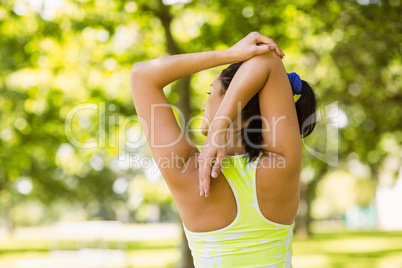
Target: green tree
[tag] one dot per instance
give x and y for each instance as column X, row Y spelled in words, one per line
column 82, row 52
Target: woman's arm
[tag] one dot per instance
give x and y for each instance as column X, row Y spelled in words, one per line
column 166, row 139
column 162, row 71
column 266, row 76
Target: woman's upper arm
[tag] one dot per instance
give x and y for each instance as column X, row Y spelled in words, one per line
column 170, row 146
column 280, row 128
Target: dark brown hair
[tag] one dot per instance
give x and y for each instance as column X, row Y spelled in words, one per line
column 306, row 106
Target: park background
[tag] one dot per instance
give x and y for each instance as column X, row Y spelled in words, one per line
column 71, row 195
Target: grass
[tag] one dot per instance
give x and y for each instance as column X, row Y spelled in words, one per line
column 331, row 250
column 349, row 249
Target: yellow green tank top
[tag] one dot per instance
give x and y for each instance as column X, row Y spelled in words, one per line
column 250, row 240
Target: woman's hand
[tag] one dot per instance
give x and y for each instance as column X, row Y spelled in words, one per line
column 254, row 44
column 214, row 149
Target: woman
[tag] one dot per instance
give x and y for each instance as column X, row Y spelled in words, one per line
column 245, row 216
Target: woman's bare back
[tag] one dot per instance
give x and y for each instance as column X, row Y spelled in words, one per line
column 278, row 200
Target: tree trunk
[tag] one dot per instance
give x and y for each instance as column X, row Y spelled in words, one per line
column 8, row 220
column 307, row 195
column 183, row 104
column 183, row 89
column 303, row 215
column 186, row 260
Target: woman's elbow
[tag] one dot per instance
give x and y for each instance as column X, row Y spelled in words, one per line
column 137, row 76
column 137, row 69
column 268, row 61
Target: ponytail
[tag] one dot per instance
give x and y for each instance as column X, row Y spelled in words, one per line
column 306, row 107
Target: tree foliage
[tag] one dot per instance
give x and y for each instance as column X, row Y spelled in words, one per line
column 80, row 52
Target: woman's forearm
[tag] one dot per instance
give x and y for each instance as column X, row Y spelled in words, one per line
column 247, row 82
column 162, row 71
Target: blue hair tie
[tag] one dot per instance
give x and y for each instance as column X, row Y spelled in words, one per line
column 296, row 83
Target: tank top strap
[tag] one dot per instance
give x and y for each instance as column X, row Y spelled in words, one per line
column 240, row 174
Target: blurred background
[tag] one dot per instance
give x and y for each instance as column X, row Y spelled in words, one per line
column 78, row 184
